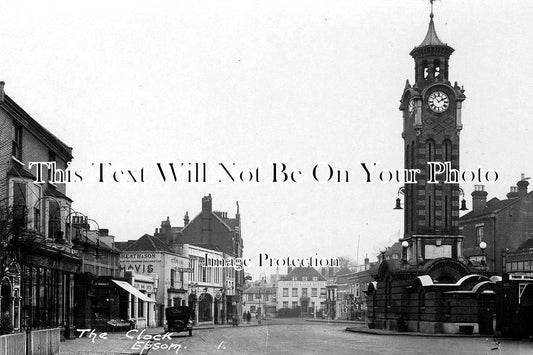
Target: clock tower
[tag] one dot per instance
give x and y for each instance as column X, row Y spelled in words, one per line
column 431, row 111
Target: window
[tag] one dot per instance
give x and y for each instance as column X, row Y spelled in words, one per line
column 479, row 234
column 313, row 292
column 304, row 292
column 250, row 297
column 285, row 292
column 252, row 309
column 304, row 278
column 294, row 292
column 19, row 204
column 265, row 297
column 294, row 304
column 294, row 278
column 315, row 278
column 285, row 304
column 172, row 277
column 54, row 221
column 17, row 142
column 52, row 159
column 257, row 296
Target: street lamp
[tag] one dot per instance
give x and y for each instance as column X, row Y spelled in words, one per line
column 483, row 246
column 259, row 308
column 405, row 245
column 401, row 191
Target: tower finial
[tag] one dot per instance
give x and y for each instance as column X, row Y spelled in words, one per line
column 431, row 14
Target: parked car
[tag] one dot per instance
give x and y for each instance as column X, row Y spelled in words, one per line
column 179, row 319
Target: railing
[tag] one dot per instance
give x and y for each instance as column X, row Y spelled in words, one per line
column 13, row 343
column 44, row 342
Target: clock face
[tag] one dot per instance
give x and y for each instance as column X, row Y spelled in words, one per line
column 438, row 101
column 411, row 106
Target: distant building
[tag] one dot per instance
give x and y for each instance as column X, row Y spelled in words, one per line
column 260, row 299
column 504, row 225
column 302, row 287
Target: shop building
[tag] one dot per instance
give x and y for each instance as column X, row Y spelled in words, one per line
column 150, row 256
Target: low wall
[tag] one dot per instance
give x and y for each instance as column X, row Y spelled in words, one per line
column 44, row 342
column 13, row 343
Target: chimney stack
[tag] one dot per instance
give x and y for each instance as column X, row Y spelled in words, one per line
column 479, row 198
column 207, row 204
column 186, row 218
column 522, row 185
column 513, row 192
column 2, row 91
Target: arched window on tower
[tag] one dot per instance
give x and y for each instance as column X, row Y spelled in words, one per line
column 436, row 68
column 425, row 69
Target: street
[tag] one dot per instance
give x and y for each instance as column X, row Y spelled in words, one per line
column 295, row 336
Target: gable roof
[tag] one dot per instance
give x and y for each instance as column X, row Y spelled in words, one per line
column 148, row 243
column 301, row 272
column 47, row 137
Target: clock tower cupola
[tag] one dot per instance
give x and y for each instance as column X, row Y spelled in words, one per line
column 431, row 111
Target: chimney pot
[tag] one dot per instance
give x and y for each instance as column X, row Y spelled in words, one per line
column 2, row 91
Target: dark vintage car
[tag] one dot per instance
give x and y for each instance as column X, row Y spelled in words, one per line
column 178, row 319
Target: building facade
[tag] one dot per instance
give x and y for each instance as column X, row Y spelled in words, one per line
column 215, row 231
column 37, row 290
column 211, row 286
column 503, row 225
column 303, row 288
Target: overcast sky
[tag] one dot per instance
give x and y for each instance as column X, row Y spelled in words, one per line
column 134, row 83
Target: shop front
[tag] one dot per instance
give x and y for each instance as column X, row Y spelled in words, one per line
column 47, row 292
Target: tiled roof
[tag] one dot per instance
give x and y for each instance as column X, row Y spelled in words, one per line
column 493, row 205
column 300, row 272
column 260, row 289
column 207, row 246
column 148, row 243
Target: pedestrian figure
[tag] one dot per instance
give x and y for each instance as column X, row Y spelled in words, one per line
column 248, row 317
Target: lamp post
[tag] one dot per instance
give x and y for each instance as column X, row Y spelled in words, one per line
column 260, row 288
column 483, row 246
column 405, row 245
column 383, row 250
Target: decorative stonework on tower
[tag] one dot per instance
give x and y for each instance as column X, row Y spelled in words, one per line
column 431, row 110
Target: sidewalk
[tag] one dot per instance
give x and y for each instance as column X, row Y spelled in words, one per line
column 119, row 344
column 336, row 321
column 364, row 330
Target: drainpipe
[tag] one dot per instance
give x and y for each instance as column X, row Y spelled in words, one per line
column 493, row 218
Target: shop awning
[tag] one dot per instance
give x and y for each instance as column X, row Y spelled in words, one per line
column 126, row 286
